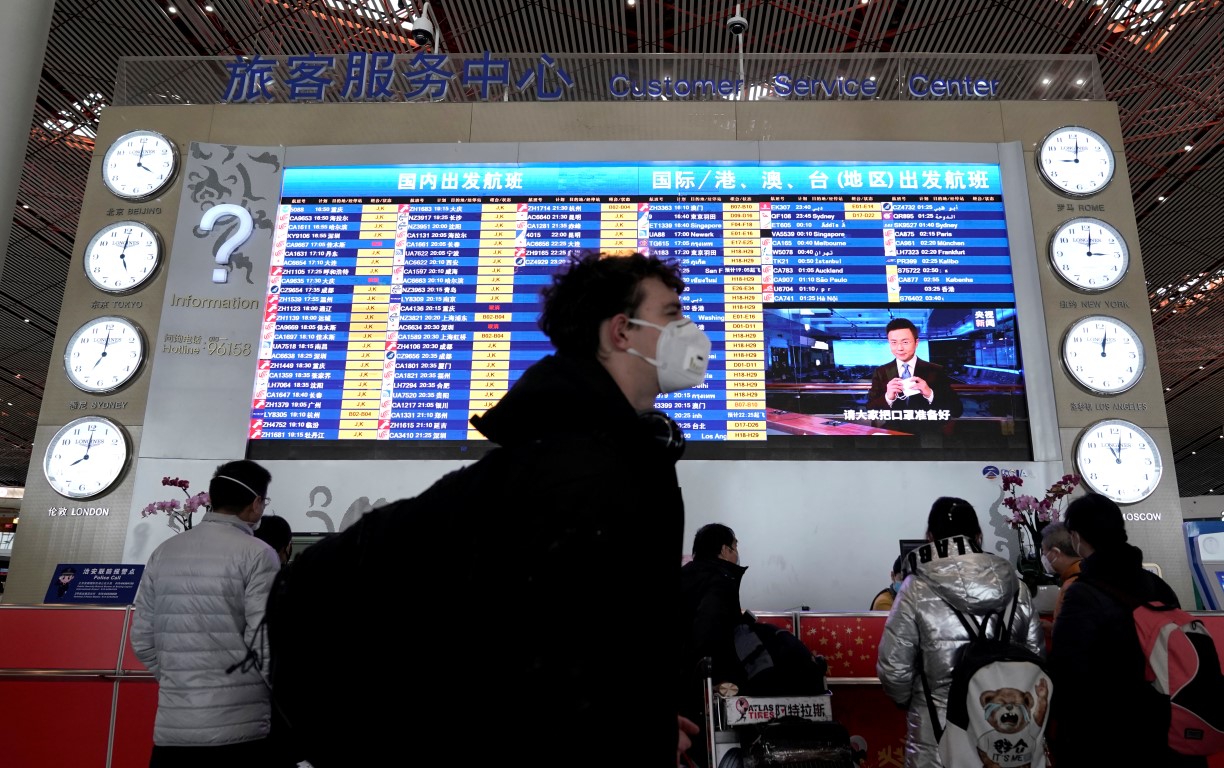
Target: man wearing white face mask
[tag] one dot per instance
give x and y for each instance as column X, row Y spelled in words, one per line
column 563, row 539
column 196, row 627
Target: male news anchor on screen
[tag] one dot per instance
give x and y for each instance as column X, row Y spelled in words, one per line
column 907, row 382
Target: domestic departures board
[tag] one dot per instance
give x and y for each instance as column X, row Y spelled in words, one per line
column 403, row 299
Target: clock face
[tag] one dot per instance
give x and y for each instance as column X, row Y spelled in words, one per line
column 1089, row 254
column 104, row 354
column 122, row 256
column 1103, row 354
column 139, row 165
column 86, row 457
column 1075, row 161
column 1119, row 460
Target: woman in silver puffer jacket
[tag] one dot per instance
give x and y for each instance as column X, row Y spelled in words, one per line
column 923, row 632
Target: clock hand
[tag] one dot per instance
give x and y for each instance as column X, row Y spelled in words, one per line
column 1118, row 453
column 105, row 344
column 123, row 252
column 86, row 456
column 1104, row 336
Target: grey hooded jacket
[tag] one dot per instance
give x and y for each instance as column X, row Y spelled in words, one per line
column 922, row 630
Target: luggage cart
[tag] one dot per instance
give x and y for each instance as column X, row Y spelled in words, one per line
column 733, row 722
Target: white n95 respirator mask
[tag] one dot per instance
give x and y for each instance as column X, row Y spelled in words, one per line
column 681, row 356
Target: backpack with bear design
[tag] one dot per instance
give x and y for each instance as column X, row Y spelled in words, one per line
column 998, row 702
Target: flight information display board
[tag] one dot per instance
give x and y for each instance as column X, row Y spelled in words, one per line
column 402, row 300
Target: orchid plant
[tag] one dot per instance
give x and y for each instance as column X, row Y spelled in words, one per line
column 1029, row 515
column 178, row 514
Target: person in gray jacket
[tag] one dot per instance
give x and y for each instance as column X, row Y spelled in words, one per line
column 197, row 627
column 923, row 633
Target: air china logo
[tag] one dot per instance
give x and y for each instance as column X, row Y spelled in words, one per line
column 991, row 472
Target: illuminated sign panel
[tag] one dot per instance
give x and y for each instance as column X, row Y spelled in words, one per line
column 403, row 299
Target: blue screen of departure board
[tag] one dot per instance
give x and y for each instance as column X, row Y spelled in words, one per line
column 402, row 300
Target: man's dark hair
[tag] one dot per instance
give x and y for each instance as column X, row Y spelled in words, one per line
column 593, row 288
column 1097, row 520
column 710, row 539
column 275, row 531
column 897, row 323
column 951, row 516
column 898, row 564
column 1056, row 536
column 236, row 484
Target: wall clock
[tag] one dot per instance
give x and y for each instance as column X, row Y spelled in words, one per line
column 139, row 165
column 1119, row 460
column 122, row 256
column 86, row 457
column 104, row 354
column 1089, row 254
column 1075, row 161
column 1103, row 354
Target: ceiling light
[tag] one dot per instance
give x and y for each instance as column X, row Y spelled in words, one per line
column 27, row 320
column 171, row 9
column 1194, row 453
column 1161, row 199
column 1080, row 81
column 208, row 8
column 631, row 3
column 1045, row 81
column 1188, row 147
column 872, row 78
column 23, row 205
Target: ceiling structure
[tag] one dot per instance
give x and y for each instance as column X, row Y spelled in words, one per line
column 1160, row 61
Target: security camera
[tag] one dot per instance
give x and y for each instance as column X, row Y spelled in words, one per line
column 423, row 28
column 737, row 24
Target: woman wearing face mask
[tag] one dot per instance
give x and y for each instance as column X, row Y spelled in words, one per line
column 1106, row 713
column 883, row 601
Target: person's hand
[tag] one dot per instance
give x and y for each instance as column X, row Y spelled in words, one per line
column 895, row 387
column 923, row 388
column 687, row 730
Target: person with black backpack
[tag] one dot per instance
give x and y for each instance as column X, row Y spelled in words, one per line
column 957, row 593
column 522, row 609
column 1107, row 712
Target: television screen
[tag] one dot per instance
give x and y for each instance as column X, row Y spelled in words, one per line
column 402, row 299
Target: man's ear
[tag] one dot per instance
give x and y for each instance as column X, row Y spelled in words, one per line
column 615, row 332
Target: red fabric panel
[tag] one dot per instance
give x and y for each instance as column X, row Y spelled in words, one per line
column 848, row 643
column 867, row 713
column 780, row 620
column 55, row 723
column 134, row 724
column 60, row 638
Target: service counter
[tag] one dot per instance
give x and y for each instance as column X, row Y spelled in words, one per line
column 74, row 694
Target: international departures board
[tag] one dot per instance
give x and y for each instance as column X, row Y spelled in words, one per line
column 403, row 299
